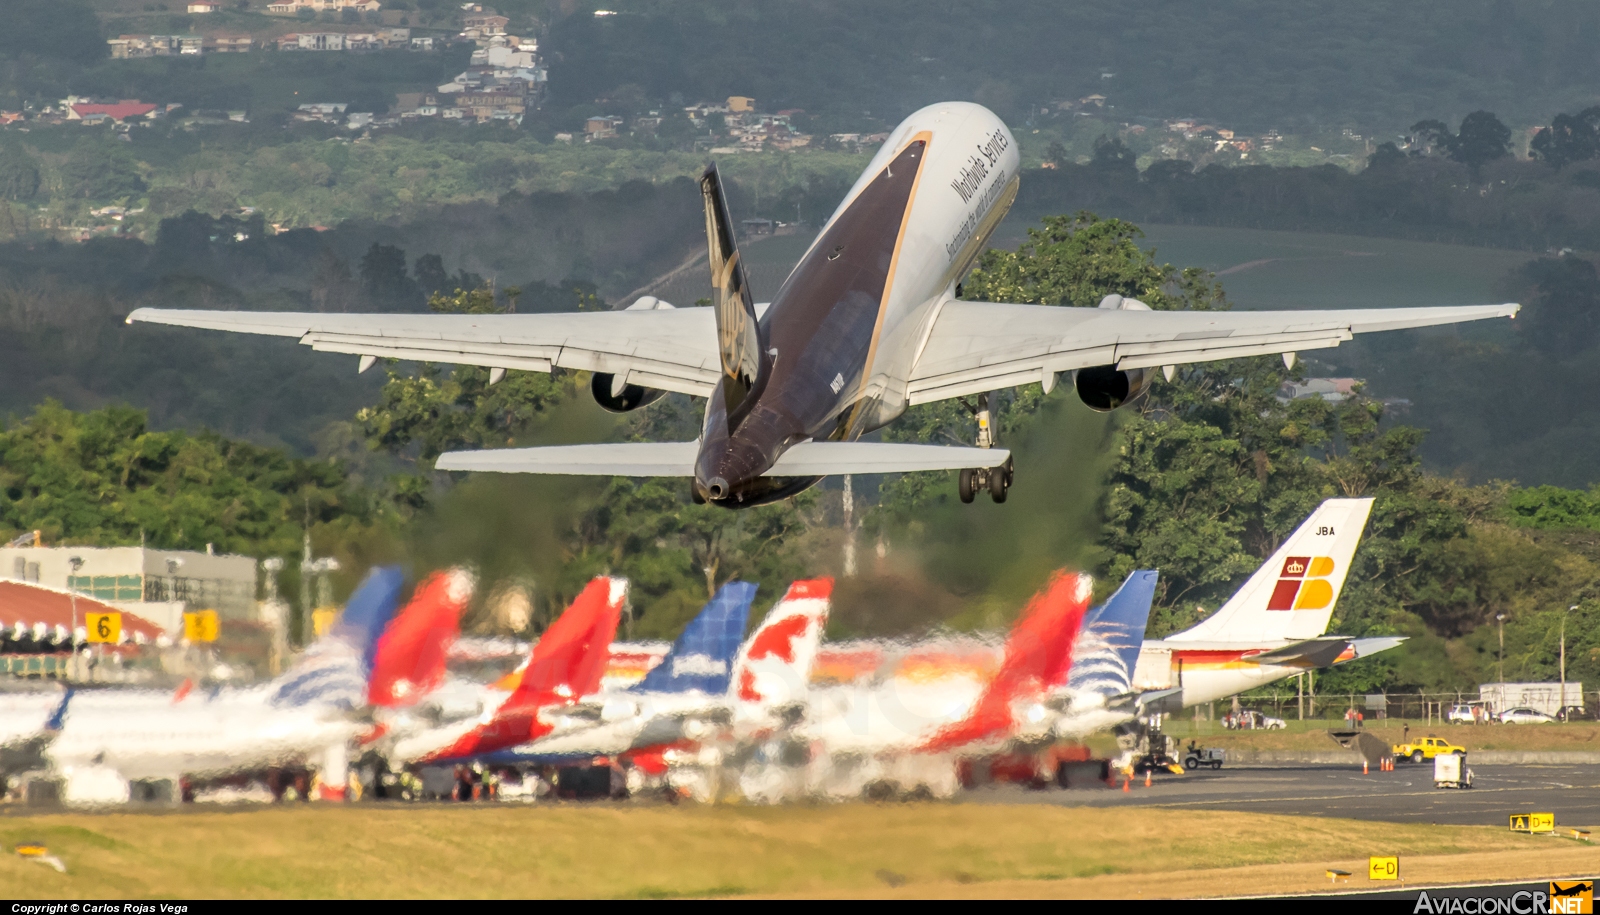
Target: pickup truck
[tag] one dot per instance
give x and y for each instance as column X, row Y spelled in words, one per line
column 1426, row 748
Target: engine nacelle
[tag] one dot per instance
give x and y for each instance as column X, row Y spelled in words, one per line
column 630, row 398
column 1105, row 387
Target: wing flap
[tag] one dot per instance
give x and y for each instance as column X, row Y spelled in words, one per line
column 676, row 459
column 674, row 349
column 979, row 346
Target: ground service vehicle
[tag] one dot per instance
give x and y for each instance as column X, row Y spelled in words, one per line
column 1195, row 757
column 1427, row 748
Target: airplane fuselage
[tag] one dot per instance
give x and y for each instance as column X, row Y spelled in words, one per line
column 1207, row 672
column 844, row 331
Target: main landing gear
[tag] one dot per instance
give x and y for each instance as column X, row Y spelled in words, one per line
column 995, row 479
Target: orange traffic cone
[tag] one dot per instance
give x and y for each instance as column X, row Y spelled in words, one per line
column 1147, row 778
column 1364, row 766
column 1125, row 780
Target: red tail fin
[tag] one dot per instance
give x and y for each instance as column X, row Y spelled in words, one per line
column 409, row 661
column 567, row 663
column 1038, row 656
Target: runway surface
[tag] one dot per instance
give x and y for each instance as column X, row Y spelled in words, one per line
column 1407, row 795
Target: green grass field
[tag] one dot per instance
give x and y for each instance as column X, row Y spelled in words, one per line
column 661, row 851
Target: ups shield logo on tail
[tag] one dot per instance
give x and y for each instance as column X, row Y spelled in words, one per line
column 1571, row 897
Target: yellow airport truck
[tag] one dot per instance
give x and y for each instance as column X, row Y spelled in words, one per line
column 1426, row 748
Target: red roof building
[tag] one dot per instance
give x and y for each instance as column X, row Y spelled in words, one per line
column 28, row 606
column 127, row 108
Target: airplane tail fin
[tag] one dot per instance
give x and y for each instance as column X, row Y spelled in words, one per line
column 409, row 661
column 566, row 663
column 1107, row 652
column 1293, row 594
column 1038, row 657
column 738, row 337
column 570, row 657
column 334, row 669
column 702, row 657
column 774, row 665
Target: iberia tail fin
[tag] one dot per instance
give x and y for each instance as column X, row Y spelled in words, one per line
column 1038, row 658
column 410, row 659
column 774, row 666
column 566, row 663
column 1293, row 594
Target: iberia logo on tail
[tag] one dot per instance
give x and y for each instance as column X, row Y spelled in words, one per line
column 1303, row 584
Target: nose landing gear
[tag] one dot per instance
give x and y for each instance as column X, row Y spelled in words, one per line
column 995, row 479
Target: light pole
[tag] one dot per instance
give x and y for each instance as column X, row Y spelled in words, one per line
column 1561, row 704
column 1501, row 619
column 76, row 563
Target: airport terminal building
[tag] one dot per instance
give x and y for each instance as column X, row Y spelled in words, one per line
column 158, row 585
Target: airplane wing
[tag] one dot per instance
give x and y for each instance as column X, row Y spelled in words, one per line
column 676, row 459
column 975, row 347
column 671, row 349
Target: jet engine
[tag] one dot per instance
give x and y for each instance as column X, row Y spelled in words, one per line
column 1105, row 387
column 626, row 399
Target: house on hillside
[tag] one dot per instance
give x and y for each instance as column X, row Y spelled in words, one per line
column 119, row 112
column 203, row 6
column 485, row 23
column 125, row 46
column 228, row 44
column 598, row 128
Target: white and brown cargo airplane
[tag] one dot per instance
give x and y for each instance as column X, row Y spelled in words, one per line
column 866, row 325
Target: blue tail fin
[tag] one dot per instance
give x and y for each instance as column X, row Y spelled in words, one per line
column 335, row 668
column 702, row 657
column 1108, row 649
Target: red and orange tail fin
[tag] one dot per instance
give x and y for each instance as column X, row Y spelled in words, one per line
column 1038, row 657
column 570, row 657
column 566, row 663
column 409, row 661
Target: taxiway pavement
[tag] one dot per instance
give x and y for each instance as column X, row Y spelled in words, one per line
column 1406, row 795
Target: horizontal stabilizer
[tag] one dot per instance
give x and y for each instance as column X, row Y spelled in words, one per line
column 1311, row 652
column 676, row 459
column 1368, row 647
column 1160, row 701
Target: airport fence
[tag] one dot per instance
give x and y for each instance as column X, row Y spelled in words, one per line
column 1419, row 707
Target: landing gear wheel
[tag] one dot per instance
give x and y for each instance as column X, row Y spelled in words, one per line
column 1000, row 481
column 968, row 487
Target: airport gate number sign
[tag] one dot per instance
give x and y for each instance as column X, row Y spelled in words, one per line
column 1533, row 822
column 201, row 626
column 104, row 627
column 1383, row 868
